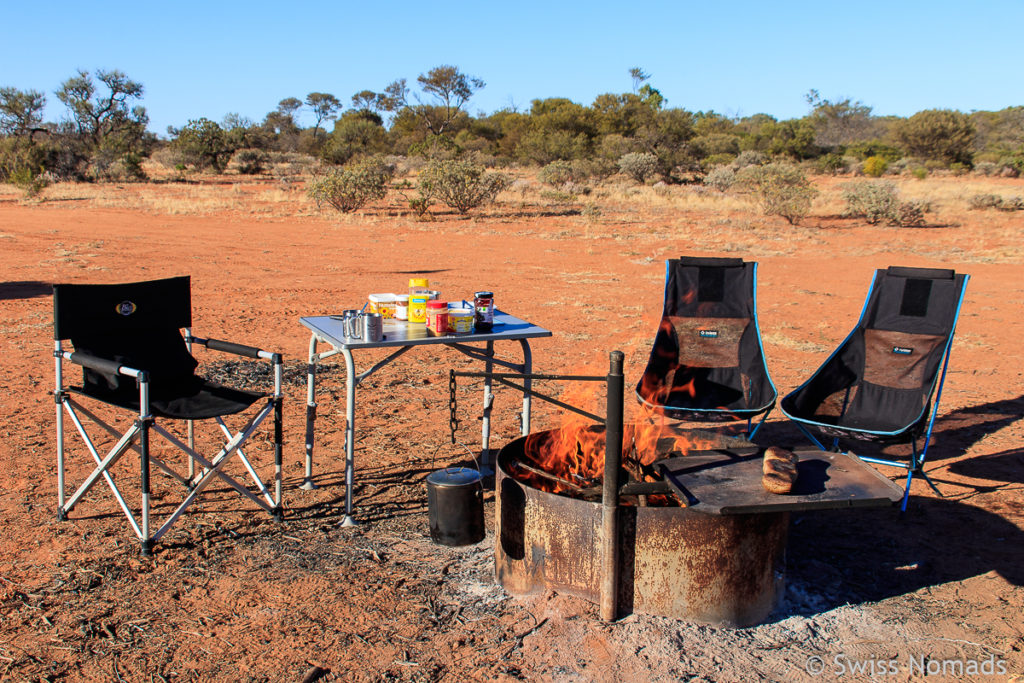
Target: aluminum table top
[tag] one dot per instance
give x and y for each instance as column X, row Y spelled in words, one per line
column 402, row 333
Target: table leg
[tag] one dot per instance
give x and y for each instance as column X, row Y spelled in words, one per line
column 350, row 434
column 524, row 422
column 485, row 451
column 308, row 484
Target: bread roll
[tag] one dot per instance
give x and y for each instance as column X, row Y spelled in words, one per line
column 777, row 483
column 780, row 470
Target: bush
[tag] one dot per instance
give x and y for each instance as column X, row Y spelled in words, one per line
column 938, row 134
column 721, row 178
column 980, row 202
column 875, row 166
column 638, row 165
column 348, row 188
column 919, row 172
column 995, row 201
column 251, row 161
column 750, row 157
column 986, row 168
column 460, row 184
column 910, row 214
column 26, row 180
column 782, row 190
column 832, row 163
column 717, row 160
column 1015, row 203
column 873, row 201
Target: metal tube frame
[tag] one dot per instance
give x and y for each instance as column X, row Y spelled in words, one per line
column 352, row 380
column 139, row 432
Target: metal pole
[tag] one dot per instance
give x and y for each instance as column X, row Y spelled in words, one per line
column 59, row 403
column 350, row 435
column 524, row 423
column 307, row 483
column 610, row 498
column 485, row 428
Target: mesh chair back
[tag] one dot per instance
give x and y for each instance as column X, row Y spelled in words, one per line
column 880, row 380
column 135, row 324
column 707, row 358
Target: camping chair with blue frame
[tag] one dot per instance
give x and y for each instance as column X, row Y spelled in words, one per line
column 707, row 363
column 879, row 384
column 127, row 339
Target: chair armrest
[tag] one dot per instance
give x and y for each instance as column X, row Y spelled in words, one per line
column 237, row 349
column 101, row 364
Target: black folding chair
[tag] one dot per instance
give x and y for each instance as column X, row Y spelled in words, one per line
column 127, row 339
column 878, row 385
column 707, row 363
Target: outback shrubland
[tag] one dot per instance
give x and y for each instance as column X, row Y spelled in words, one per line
column 347, row 157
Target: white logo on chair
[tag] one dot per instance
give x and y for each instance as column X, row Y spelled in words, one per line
column 902, row 350
column 125, row 308
column 708, row 334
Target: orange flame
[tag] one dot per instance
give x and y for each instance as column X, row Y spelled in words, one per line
column 573, row 454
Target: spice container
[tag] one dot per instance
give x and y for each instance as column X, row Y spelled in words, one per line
column 483, row 306
column 383, row 304
column 437, row 318
column 419, row 294
column 401, row 307
column 460, row 319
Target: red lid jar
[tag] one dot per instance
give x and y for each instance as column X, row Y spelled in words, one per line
column 437, row 318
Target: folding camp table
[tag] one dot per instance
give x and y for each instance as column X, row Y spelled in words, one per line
column 404, row 336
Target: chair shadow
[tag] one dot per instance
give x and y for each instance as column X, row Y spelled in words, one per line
column 954, row 434
column 837, row 557
column 24, row 289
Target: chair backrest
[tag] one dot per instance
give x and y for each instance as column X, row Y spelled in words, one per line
column 708, row 340
column 881, row 378
column 136, row 324
column 908, row 323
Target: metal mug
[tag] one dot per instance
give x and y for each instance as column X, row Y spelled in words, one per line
column 372, row 327
column 350, row 324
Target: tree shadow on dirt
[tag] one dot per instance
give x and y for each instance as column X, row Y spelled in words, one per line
column 24, row 289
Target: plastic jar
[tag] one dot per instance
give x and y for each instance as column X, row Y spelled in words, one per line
column 460, row 320
column 401, row 307
column 483, row 305
column 419, row 294
column 437, row 318
column 383, row 304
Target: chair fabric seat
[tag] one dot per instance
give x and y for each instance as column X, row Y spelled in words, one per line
column 202, row 400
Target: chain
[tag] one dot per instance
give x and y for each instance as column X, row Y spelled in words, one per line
column 453, row 420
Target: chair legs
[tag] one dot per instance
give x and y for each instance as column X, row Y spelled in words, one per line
column 138, row 438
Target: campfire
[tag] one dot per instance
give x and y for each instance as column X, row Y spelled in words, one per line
column 570, row 460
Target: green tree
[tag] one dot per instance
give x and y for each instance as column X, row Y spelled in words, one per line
column 356, row 132
column 940, row 134
column 204, row 144
column 21, row 111
column 106, row 118
column 839, row 123
column 558, row 128
column 325, row 107
column 449, row 90
column 639, row 77
column 367, row 100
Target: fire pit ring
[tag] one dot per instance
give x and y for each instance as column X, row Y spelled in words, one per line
column 724, row 570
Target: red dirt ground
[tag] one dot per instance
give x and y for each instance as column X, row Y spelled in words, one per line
column 232, row 595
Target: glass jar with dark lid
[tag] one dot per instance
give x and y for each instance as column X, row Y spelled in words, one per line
column 483, row 311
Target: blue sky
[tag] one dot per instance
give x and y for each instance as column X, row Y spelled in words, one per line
column 737, row 58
